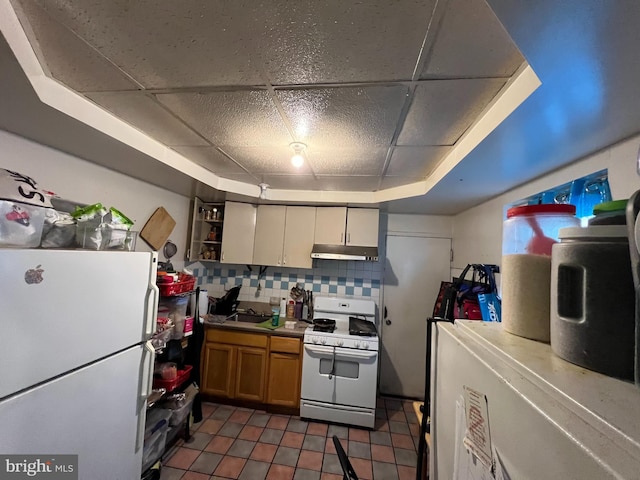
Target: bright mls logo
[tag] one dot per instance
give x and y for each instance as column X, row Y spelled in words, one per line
column 51, row 467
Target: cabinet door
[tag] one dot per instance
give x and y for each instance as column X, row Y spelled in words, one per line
column 283, row 387
column 330, row 225
column 197, row 233
column 250, row 373
column 299, row 234
column 219, row 369
column 238, row 233
column 362, row 227
column 270, row 221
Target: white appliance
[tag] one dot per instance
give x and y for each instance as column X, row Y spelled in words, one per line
column 339, row 369
column 77, row 367
column 538, row 416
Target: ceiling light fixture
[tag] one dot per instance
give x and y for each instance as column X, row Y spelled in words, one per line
column 263, row 190
column 298, row 149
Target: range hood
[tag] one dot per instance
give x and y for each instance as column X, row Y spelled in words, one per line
column 344, row 252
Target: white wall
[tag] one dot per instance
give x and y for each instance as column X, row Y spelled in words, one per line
column 78, row 180
column 477, row 232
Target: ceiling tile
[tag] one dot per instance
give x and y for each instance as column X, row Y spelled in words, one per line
column 308, row 41
column 443, row 109
column 391, row 182
column 241, row 118
column 415, row 161
column 347, row 117
column 353, row 161
column 210, row 158
column 68, row 58
column 147, row 115
column 267, row 160
column 169, row 44
column 470, row 41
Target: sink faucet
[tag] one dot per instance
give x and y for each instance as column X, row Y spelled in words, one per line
column 233, row 316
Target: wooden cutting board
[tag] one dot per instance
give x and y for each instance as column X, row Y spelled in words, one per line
column 158, row 228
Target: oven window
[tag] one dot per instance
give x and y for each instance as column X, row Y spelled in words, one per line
column 342, row 368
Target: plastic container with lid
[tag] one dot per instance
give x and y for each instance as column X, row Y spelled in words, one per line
column 529, row 234
column 593, row 300
column 610, row 213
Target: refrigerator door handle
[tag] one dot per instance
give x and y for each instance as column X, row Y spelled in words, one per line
column 146, row 385
column 153, row 294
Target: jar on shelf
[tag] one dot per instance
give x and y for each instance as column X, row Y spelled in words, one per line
column 529, row 234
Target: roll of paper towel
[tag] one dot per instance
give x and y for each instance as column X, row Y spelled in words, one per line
column 203, row 303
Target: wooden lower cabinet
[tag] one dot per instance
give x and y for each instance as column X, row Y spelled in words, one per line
column 218, row 373
column 285, row 371
column 252, row 367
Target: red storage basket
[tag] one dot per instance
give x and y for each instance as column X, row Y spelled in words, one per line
column 184, row 284
column 170, row 385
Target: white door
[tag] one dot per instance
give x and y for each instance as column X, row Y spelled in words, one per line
column 414, row 268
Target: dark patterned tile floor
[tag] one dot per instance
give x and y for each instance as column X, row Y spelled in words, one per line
column 240, row 443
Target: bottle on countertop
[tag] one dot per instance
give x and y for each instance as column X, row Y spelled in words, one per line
column 291, row 309
column 283, row 306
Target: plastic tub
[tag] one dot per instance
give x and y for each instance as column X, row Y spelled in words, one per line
column 593, row 300
column 153, row 448
column 20, row 224
column 170, row 385
column 529, row 234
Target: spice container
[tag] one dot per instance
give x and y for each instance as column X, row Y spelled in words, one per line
column 529, row 234
column 610, row 213
column 593, row 299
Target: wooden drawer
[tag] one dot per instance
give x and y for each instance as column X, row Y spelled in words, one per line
column 237, row 338
column 285, row 344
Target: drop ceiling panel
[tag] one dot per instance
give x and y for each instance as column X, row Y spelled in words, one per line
column 346, row 117
column 470, row 41
column 69, row 59
column 242, row 118
column 308, row 41
column 351, row 161
column 211, row 159
column 415, row 161
column 443, row 109
column 259, row 160
column 146, row 114
column 169, row 44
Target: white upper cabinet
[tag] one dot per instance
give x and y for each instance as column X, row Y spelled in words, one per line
column 239, row 233
column 270, row 222
column 347, row 226
column 362, row 227
column 330, row 225
column 284, row 236
column 299, row 236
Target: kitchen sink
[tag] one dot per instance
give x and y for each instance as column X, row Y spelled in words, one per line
column 253, row 317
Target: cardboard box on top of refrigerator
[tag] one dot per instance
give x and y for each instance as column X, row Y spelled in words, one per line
column 22, row 210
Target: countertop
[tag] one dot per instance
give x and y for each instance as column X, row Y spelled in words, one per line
column 253, row 327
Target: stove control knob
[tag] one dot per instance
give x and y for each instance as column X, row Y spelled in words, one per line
column 314, row 339
column 339, row 342
column 323, row 340
column 365, row 345
column 356, row 344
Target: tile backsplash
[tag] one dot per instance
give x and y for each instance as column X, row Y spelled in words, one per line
column 326, row 278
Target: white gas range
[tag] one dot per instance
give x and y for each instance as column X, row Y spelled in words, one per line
column 340, row 366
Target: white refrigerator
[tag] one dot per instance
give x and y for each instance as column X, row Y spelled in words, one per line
column 526, row 413
column 76, row 363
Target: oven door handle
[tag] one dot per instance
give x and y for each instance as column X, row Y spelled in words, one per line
column 333, row 365
column 326, row 351
column 356, row 354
